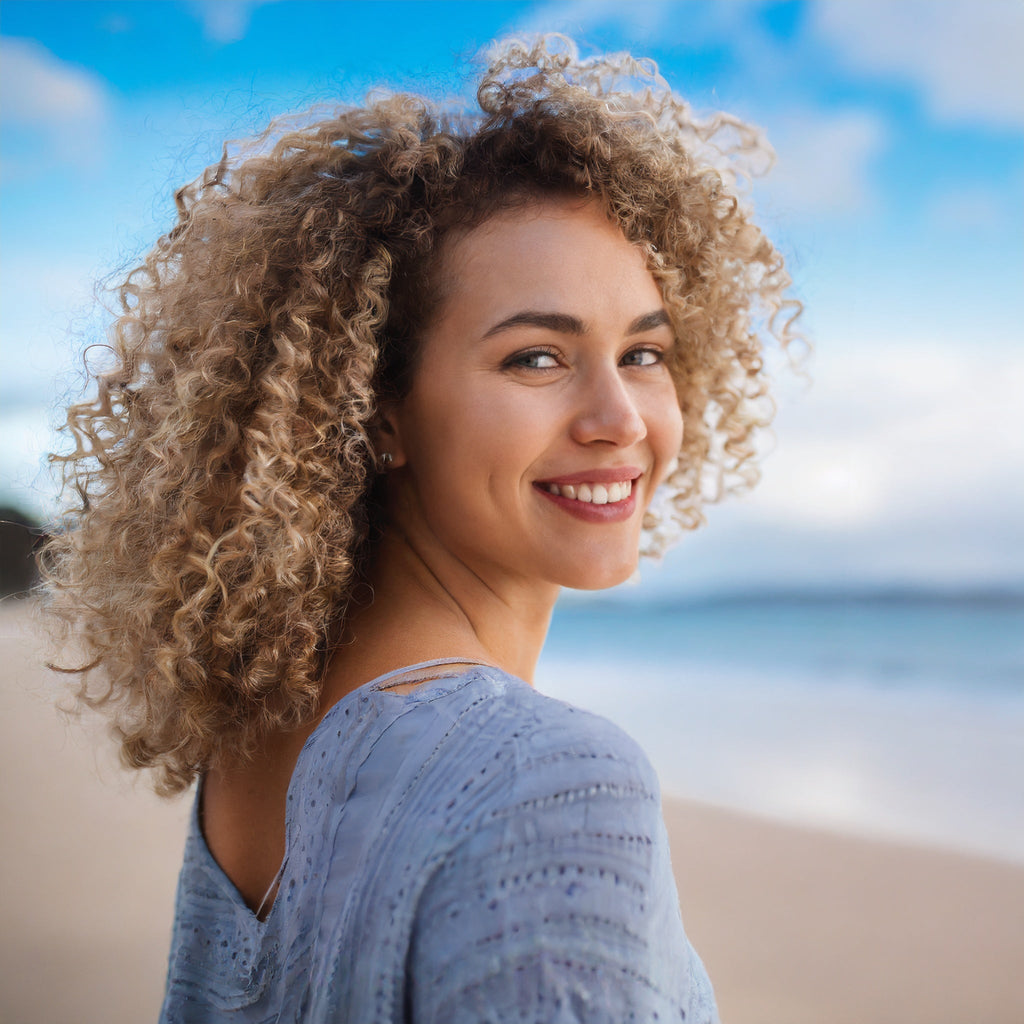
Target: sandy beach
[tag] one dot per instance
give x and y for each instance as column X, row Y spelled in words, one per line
column 796, row 926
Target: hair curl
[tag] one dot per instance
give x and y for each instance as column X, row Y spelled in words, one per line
column 222, row 473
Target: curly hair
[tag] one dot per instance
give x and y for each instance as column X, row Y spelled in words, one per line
column 221, row 482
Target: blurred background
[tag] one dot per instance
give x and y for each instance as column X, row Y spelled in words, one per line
column 842, row 648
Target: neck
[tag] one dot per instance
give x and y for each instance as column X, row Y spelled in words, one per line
column 426, row 605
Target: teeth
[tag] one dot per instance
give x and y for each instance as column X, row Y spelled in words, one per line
column 594, row 494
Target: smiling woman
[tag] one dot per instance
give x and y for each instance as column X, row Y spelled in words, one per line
column 393, row 379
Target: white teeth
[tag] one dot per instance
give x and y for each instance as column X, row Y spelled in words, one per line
column 594, row 494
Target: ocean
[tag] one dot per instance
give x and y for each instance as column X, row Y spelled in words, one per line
column 895, row 715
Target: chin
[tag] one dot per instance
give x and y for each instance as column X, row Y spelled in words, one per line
column 601, row 577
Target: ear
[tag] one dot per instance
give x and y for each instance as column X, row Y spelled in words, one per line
column 387, row 435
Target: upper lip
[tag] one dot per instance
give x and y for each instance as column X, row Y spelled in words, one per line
column 613, row 475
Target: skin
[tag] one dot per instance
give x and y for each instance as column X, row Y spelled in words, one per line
column 547, row 361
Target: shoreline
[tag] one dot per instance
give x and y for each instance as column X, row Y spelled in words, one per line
column 934, row 765
column 796, row 925
column 856, row 833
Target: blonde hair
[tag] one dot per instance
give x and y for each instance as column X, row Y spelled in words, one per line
column 222, row 470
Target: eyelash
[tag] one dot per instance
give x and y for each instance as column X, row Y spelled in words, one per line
column 520, row 359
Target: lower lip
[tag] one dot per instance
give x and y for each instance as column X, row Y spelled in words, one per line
column 616, row 512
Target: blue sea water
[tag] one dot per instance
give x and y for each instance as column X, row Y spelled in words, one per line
column 895, row 715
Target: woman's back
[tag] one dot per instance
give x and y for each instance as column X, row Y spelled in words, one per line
column 498, row 852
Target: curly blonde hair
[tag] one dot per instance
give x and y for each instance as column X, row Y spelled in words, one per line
column 222, row 474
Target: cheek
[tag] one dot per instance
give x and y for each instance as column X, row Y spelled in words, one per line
column 456, row 437
column 666, row 429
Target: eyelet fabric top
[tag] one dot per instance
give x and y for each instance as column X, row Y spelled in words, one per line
column 470, row 851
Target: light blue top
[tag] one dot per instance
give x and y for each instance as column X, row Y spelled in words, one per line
column 468, row 852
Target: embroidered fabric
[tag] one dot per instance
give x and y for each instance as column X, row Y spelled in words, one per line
column 468, row 851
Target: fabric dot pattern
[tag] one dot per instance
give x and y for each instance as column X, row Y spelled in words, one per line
column 470, row 852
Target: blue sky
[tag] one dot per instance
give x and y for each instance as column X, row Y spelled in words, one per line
column 898, row 198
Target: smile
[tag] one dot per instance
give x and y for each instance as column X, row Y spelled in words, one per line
column 592, row 493
column 598, row 496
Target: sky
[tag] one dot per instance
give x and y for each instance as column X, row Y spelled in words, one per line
column 897, row 198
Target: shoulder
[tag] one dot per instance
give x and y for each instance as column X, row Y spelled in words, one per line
column 535, row 754
column 536, row 788
column 540, row 733
column 558, row 889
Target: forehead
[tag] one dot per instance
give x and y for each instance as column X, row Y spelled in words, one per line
column 555, row 254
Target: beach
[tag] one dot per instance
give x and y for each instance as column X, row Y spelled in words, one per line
column 795, row 924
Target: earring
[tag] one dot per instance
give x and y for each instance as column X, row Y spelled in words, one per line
column 384, row 461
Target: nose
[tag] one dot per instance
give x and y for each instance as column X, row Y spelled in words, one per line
column 608, row 411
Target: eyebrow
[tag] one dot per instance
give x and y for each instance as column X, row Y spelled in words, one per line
column 566, row 323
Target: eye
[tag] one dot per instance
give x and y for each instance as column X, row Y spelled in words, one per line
column 643, row 357
column 533, row 359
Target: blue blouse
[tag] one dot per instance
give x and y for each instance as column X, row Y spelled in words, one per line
column 471, row 851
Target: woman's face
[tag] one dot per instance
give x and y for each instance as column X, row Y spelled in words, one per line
column 542, row 414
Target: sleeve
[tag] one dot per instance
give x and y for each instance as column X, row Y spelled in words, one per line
column 560, row 907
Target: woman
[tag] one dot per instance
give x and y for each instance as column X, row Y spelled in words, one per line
column 394, row 379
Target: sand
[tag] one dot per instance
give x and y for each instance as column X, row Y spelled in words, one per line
column 803, row 927
column 795, row 926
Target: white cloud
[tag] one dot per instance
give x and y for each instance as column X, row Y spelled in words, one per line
column 48, row 313
column 964, row 54
column 50, row 109
column 913, row 432
column 37, row 86
column 225, row 21
column 824, row 160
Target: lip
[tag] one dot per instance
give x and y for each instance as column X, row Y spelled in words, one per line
column 588, row 511
column 614, row 475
